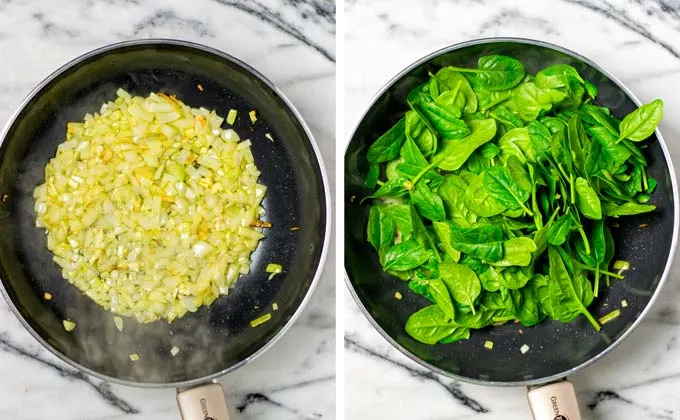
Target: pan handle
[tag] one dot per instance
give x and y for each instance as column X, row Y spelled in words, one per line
column 204, row 402
column 554, row 401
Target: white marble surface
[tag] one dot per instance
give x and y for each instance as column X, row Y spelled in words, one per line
column 636, row 40
column 292, row 43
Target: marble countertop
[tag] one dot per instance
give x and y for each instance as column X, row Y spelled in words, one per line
column 639, row 42
column 293, row 44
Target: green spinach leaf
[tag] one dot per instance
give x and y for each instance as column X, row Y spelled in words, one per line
column 462, row 282
column 387, row 146
column 641, row 123
column 405, row 256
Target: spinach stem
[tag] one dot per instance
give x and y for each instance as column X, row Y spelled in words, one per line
column 571, row 189
column 596, row 284
column 421, row 173
column 432, row 245
column 606, row 273
column 585, row 239
column 526, row 209
column 592, row 320
column 564, row 174
column 464, row 70
column 645, row 184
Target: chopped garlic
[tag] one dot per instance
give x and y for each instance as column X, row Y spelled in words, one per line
column 174, row 350
column 231, row 116
column 398, row 296
column 47, row 296
column 488, row 344
column 134, row 357
column 524, row 349
column 69, row 325
column 275, row 306
column 119, row 322
column 624, row 303
column 253, row 116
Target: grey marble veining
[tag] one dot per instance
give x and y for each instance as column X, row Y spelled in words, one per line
column 292, row 42
column 636, row 40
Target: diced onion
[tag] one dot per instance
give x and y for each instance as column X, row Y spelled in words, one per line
column 118, row 321
column 524, row 349
column 621, row 266
column 275, row 306
column 624, row 303
column 150, row 206
column 174, row 350
column 274, row 269
column 134, row 357
column 261, row 320
column 231, row 116
column 610, row 316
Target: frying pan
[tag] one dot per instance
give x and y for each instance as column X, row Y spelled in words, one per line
column 215, row 339
column 557, row 349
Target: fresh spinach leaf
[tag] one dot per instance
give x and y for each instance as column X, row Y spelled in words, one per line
column 530, row 101
column 641, row 123
column 567, row 295
column 451, row 80
column 405, row 256
column 440, row 294
column 506, row 117
column 626, row 209
column 452, row 192
column 495, row 72
column 480, row 202
column 401, row 215
column 540, row 139
column 462, row 282
column 491, row 279
column 517, row 252
column 428, row 203
column 443, row 232
column 380, row 230
column 446, row 121
column 387, row 146
column 420, row 132
column 557, row 76
column 429, row 325
column 372, row 176
column 500, row 185
column 516, row 142
column 587, row 201
column 454, row 153
column 561, row 229
column 484, row 242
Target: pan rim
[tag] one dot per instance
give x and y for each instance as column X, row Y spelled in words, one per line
column 676, row 214
column 108, row 48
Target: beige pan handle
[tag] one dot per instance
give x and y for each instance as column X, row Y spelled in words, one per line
column 555, row 401
column 205, row 402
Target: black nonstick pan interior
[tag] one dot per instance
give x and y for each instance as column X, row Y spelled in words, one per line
column 215, row 338
column 647, row 241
